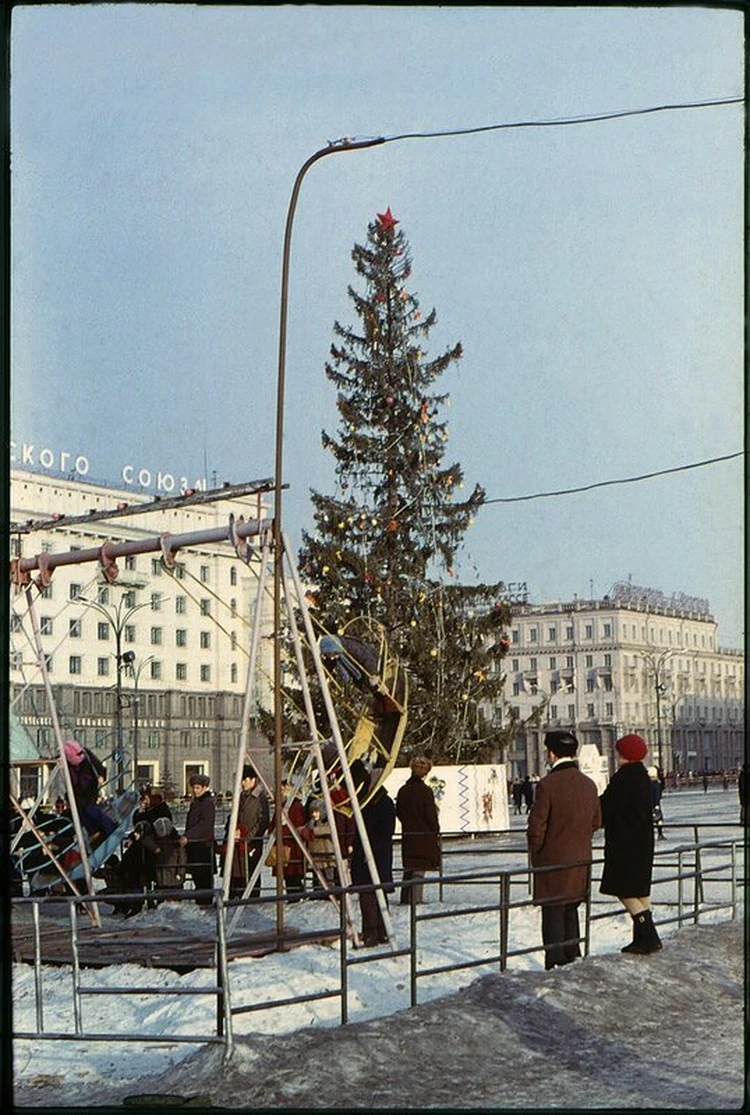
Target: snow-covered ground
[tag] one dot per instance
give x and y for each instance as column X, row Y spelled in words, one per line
column 605, row 988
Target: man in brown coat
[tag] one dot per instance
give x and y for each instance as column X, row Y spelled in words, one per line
column 563, row 818
column 420, row 831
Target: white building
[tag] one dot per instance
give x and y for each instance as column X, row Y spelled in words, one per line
column 636, row 661
column 168, row 649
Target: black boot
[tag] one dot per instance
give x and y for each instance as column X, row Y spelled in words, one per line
column 645, row 937
column 651, row 939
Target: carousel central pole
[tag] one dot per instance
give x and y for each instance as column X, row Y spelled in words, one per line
column 277, row 533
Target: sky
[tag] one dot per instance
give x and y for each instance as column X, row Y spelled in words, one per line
column 603, row 1004
column 593, row 273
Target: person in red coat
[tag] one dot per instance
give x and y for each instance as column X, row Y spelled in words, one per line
column 562, row 821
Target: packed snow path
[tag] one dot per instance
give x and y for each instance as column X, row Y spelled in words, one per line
column 662, row 1031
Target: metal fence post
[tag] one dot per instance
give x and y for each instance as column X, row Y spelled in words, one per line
column 504, row 918
column 413, row 947
column 342, row 957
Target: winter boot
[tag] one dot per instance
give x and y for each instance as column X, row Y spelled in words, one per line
column 645, row 937
column 651, row 940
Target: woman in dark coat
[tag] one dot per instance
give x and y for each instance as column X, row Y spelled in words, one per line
column 420, row 830
column 379, row 817
column 627, row 815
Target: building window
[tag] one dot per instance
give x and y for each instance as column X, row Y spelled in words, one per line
column 45, row 625
column 205, row 607
column 569, row 633
column 204, row 574
column 610, row 708
column 130, row 561
column 74, row 664
column 156, row 567
column 514, row 635
column 74, row 629
column 233, row 575
column 205, row 673
column 568, row 661
column 156, row 671
column 233, row 606
column 102, row 667
column 128, row 598
column 102, row 594
column 16, row 623
column 156, row 635
column 533, row 635
column 205, row 640
column 102, row 630
column 532, row 664
column 553, row 712
column 571, row 712
column 514, row 664
column 16, row 660
column 156, row 599
column 608, row 683
column 554, row 685
column 607, row 659
column 233, row 672
column 180, row 605
column 234, row 640
column 552, row 635
column 553, row 663
column 129, row 632
column 74, row 591
column 589, row 661
column 588, row 631
column 607, row 630
column 590, row 684
column 46, row 593
column 180, row 671
column 179, row 570
column 590, row 711
column 516, row 688
column 180, row 637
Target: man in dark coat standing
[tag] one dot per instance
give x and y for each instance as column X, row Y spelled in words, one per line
column 420, row 831
column 563, row 818
column 253, row 816
column 627, row 814
column 379, row 817
column 198, row 838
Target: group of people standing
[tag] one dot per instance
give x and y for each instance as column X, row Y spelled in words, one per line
column 417, row 813
column 566, row 813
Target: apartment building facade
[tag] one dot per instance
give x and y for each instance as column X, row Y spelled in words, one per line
column 155, row 659
column 634, row 661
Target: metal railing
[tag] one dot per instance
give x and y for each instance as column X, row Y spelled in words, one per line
column 682, row 876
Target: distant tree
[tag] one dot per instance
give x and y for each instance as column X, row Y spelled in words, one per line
column 387, row 539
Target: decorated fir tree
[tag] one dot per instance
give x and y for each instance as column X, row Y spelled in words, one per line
column 384, row 544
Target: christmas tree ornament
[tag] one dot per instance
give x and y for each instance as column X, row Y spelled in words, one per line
column 387, row 221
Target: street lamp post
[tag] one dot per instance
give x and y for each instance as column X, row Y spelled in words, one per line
column 129, row 659
column 331, row 149
column 117, row 618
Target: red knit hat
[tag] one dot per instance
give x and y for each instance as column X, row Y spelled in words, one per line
column 633, row 748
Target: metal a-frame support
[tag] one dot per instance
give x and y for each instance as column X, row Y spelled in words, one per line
column 294, row 595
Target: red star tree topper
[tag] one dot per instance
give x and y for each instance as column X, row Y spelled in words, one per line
column 387, row 221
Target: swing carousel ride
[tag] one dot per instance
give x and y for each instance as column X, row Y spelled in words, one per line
column 362, row 683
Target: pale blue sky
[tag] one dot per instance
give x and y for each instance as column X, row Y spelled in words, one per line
column 594, row 274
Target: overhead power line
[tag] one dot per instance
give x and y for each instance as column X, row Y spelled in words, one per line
column 565, row 121
column 609, row 483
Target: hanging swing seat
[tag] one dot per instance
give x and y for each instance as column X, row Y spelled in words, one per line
column 121, row 810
